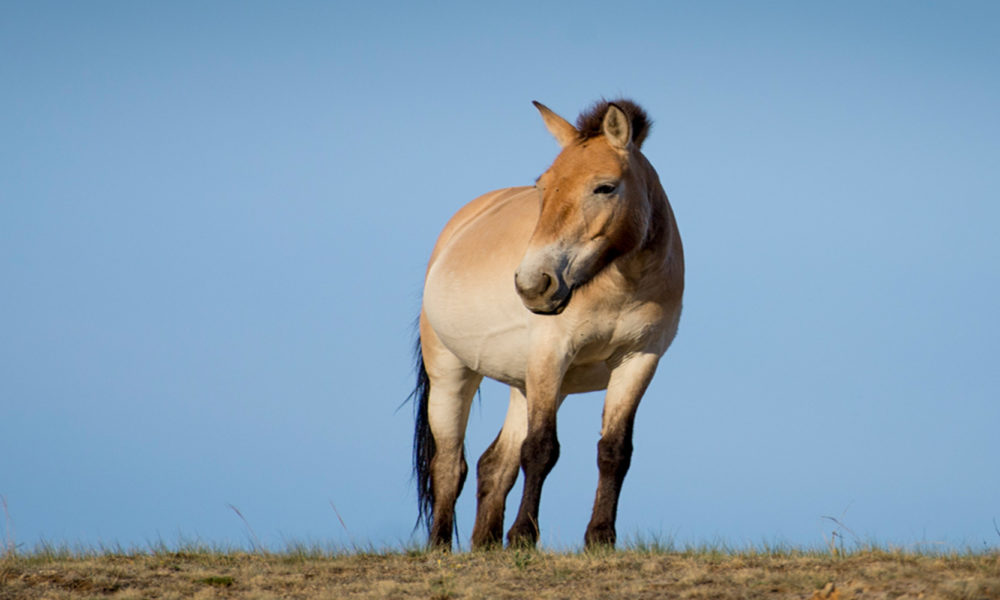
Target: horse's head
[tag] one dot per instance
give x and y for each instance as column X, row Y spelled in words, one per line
column 594, row 204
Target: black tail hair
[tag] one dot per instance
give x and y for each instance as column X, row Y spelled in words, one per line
column 423, row 443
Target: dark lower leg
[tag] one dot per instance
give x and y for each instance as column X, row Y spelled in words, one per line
column 497, row 471
column 614, row 455
column 448, row 471
column 539, row 454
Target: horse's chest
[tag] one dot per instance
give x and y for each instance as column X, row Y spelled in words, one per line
column 601, row 335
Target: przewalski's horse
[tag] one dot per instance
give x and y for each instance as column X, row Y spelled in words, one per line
column 569, row 286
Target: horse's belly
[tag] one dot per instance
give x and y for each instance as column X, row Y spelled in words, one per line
column 483, row 325
column 492, row 336
column 501, row 354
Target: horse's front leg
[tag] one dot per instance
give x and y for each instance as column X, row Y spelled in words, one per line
column 628, row 382
column 540, row 449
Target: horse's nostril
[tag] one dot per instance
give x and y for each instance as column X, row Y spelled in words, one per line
column 544, row 282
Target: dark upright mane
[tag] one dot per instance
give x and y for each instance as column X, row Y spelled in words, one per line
column 589, row 122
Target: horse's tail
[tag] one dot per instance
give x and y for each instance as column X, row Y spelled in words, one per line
column 423, row 442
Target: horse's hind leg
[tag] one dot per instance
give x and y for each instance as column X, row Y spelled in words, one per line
column 452, row 387
column 497, row 469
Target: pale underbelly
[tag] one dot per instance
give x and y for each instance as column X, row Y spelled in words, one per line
column 504, row 358
column 494, row 340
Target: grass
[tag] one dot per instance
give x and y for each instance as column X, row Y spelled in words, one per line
column 645, row 568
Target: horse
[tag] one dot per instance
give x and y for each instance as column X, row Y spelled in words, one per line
column 568, row 286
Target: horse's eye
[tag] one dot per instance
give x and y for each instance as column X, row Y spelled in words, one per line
column 605, row 188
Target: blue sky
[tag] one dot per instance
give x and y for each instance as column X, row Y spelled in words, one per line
column 214, row 220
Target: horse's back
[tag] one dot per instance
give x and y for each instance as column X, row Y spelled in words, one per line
column 502, row 212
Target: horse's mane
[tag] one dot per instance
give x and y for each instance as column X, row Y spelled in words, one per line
column 590, row 121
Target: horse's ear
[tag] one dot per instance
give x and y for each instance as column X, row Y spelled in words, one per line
column 559, row 127
column 616, row 127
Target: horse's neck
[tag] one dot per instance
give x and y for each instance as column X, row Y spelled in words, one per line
column 661, row 230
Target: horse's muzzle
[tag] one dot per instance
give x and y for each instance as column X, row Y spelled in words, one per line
column 542, row 292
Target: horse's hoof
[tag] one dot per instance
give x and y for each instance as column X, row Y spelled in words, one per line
column 522, row 537
column 602, row 536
